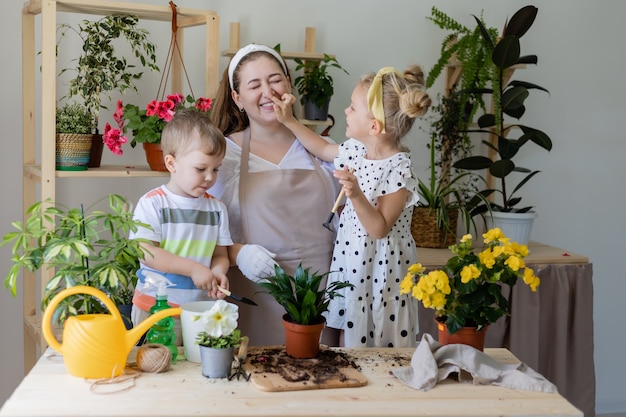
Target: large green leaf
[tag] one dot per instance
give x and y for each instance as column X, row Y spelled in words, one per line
column 521, row 21
column 506, row 53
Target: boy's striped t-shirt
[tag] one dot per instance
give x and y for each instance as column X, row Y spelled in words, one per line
column 188, row 227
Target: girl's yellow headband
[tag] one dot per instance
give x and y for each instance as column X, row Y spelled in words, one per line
column 375, row 95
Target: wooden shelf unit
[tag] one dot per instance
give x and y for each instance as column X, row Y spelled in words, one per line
column 309, row 54
column 43, row 172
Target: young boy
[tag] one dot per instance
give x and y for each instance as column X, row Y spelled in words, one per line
column 190, row 227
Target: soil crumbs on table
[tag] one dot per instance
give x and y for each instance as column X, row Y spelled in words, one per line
column 325, row 366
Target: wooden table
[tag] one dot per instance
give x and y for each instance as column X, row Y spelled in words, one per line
column 550, row 330
column 182, row 391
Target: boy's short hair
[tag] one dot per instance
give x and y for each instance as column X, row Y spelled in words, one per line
column 176, row 138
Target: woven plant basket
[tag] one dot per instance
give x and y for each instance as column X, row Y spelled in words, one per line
column 427, row 234
column 72, row 151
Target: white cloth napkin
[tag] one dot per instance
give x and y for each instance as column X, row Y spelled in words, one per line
column 433, row 362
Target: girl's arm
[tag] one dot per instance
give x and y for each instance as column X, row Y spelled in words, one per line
column 377, row 220
column 310, row 140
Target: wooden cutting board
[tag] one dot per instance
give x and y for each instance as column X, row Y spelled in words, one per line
column 271, row 369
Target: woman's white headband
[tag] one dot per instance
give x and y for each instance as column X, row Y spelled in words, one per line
column 247, row 50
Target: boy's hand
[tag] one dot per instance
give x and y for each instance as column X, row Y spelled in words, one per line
column 205, row 279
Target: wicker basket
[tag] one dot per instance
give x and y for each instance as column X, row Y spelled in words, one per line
column 72, row 151
column 427, row 234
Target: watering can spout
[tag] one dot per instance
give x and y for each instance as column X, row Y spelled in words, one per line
column 134, row 334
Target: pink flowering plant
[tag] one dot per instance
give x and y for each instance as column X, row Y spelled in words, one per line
column 469, row 291
column 147, row 124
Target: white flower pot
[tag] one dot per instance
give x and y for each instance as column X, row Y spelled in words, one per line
column 516, row 226
column 190, row 327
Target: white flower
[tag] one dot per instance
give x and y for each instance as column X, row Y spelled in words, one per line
column 221, row 319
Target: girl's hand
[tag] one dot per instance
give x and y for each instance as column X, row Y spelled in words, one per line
column 283, row 107
column 349, row 182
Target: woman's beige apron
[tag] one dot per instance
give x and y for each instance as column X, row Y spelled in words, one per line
column 282, row 210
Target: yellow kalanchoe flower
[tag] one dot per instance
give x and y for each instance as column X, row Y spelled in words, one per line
column 515, row 263
column 469, row 273
column 486, row 258
column 465, row 238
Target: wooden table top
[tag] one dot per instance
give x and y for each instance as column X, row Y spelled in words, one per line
column 539, row 254
column 182, row 391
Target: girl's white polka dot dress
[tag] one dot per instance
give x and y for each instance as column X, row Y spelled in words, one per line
column 373, row 313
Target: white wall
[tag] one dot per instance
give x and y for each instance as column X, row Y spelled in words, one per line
column 577, row 195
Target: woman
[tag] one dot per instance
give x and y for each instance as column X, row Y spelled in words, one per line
column 277, row 194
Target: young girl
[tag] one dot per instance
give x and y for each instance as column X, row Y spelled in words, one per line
column 374, row 246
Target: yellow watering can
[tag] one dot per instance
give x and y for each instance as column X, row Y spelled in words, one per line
column 96, row 345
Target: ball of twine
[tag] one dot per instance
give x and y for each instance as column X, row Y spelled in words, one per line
column 153, row 357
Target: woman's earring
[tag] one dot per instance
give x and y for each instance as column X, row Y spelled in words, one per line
column 241, row 110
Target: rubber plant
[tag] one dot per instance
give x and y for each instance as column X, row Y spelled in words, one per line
column 508, row 98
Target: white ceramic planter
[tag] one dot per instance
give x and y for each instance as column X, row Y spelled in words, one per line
column 516, row 226
column 190, row 327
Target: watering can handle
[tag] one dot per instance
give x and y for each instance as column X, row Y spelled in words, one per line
column 79, row 289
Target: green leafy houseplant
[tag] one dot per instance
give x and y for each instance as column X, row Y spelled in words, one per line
column 303, row 295
column 508, row 98
column 100, row 69
column 220, row 323
column 446, row 191
column 464, row 47
column 468, row 291
column 89, row 248
column 316, row 84
column 73, row 118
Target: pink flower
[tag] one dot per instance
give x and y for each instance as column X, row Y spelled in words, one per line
column 118, row 116
column 147, row 125
column 204, row 104
column 113, row 139
column 152, row 108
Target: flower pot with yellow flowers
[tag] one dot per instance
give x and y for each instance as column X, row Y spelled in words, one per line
column 467, row 293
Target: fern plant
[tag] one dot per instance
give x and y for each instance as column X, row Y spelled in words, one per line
column 473, row 55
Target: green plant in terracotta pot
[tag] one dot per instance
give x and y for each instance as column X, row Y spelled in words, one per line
column 304, row 296
column 468, row 291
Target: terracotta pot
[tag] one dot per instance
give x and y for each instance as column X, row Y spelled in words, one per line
column 466, row 336
column 302, row 341
column 154, row 156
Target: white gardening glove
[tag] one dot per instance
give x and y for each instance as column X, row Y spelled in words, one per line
column 255, row 262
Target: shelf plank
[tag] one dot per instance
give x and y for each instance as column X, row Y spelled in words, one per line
column 310, row 56
column 185, row 17
column 105, row 171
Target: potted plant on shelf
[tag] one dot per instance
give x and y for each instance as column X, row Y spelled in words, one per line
column 315, row 85
column 467, row 294
column 73, row 137
column 508, row 100
column 448, row 193
column 100, row 69
column 85, row 248
column 218, row 339
column 304, row 296
column 146, row 125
